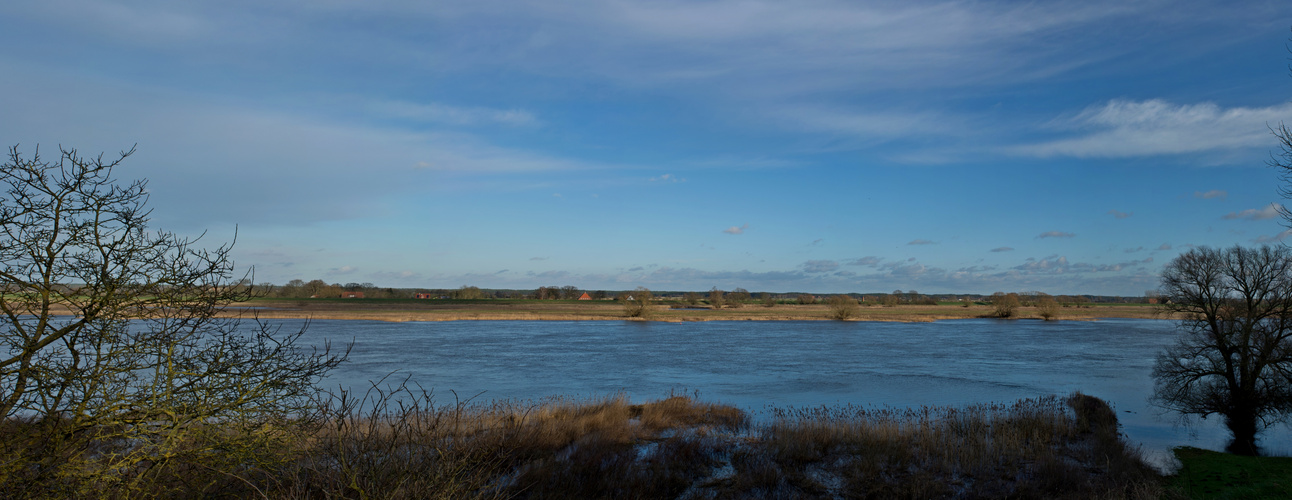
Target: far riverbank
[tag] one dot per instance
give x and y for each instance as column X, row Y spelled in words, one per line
column 399, row 310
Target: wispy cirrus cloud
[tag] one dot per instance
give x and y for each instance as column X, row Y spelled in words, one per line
column 1120, row 215
column 1002, row 249
column 1213, row 194
column 454, row 115
column 1124, row 128
column 921, row 242
column 1267, row 212
column 1055, row 234
column 820, row 266
column 1273, row 239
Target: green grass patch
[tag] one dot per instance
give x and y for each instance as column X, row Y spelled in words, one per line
column 1209, row 474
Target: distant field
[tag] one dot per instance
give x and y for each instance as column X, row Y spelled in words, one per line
column 565, row 310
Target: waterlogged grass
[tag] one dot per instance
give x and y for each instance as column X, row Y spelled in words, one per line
column 1208, row 474
column 403, row 444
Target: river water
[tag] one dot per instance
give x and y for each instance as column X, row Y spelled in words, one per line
column 757, row 364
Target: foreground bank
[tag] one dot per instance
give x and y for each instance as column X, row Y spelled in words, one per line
column 405, row 445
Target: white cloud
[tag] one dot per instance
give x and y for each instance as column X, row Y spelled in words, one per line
column 1267, row 212
column 1211, row 195
column 736, row 230
column 1124, row 128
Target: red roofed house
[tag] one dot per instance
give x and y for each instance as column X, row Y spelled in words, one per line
column 585, row 296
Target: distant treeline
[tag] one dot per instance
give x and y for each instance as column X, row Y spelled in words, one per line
column 300, row 289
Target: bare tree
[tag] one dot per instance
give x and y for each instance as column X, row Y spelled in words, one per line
column 113, row 358
column 715, row 298
column 691, row 298
column 1004, row 304
column 1047, row 307
column 1235, row 356
column 637, row 303
column 768, row 299
column 842, row 306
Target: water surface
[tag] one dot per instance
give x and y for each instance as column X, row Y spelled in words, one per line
column 755, row 364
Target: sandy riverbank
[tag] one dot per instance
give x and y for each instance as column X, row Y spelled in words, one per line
column 535, row 310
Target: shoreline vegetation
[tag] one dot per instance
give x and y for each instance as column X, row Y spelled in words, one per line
column 400, row 442
column 400, row 310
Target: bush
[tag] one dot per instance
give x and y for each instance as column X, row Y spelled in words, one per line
column 1004, row 304
column 843, row 306
column 637, row 303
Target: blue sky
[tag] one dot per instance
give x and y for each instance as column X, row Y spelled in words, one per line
column 821, row 146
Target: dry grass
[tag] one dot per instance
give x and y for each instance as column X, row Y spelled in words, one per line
column 399, row 443
column 430, row 310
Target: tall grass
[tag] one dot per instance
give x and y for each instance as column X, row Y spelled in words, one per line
column 400, row 442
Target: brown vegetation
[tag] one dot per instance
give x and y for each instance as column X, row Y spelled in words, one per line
column 400, row 443
column 842, row 307
column 444, row 310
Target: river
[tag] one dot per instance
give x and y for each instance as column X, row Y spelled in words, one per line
column 757, row 364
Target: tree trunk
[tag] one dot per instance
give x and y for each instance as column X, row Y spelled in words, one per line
column 1242, row 423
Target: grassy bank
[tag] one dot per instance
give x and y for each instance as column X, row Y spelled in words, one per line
column 405, row 445
column 571, row 310
column 1206, row 475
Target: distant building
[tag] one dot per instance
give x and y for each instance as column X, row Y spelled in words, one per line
column 352, row 295
column 421, row 295
column 585, row 296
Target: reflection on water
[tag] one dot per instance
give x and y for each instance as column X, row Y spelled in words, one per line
column 756, row 364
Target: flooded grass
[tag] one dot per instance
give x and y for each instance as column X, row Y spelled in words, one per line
column 400, row 443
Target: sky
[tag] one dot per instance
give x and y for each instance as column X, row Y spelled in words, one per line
column 818, row 146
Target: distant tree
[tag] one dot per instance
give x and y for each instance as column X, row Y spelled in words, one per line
column 637, row 303
column 738, row 295
column 767, row 299
column 1047, row 307
column 806, row 299
column 293, row 289
column 599, row 295
column 570, row 292
column 691, row 298
column 842, row 306
column 716, row 298
column 966, row 302
column 1235, row 356
column 1004, row 304
column 468, row 293
column 891, row 300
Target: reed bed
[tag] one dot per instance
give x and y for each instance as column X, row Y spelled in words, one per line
column 401, row 442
